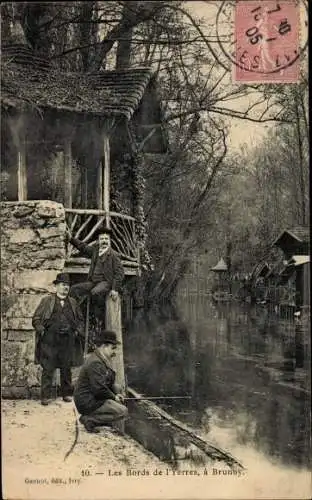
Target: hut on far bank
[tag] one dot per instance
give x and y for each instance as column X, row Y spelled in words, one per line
column 295, row 241
column 220, row 268
column 298, row 267
column 221, row 286
column 293, row 280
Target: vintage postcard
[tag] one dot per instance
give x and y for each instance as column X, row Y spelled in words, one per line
column 155, row 259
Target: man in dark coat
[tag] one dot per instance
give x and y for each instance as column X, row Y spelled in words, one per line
column 59, row 327
column 106, row 272
column 96, row 395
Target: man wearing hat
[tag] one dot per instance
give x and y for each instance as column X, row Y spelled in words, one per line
column 96, row 395
column 106, row 272
column 59, row 329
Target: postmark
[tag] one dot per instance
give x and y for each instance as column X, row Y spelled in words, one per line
column 265, row 40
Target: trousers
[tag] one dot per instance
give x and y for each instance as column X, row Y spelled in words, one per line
column 80, row 290
column 97, row 291
column 47, row 380
column 110, row 411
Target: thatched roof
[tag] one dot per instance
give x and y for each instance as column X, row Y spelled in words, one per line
column 30, row 80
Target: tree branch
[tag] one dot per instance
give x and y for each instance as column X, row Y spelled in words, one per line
column 139, row 16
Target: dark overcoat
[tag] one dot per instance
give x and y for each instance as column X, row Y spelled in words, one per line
column 112, row 265
column 95, row 384
column 40, row 320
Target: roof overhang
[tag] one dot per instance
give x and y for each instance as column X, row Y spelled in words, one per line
column 282, row 235
column 30, row 82
column 299, row 260
column 220, row 267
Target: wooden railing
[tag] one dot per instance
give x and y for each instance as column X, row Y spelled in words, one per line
column 85, row 223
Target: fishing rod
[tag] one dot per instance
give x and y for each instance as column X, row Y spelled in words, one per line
column 151, row 398
column 137, row 398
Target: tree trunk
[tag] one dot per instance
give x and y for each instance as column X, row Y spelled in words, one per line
column 5, row 24
column 123, row 57
column 301, row 164
column 33, row 17
column 12, row 24
column 121, row 30
column 86, row 35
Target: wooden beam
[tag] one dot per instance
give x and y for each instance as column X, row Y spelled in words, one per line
column 113, row 322
column 96, row 211
column 85, row 187
column 106, row 178
column 103, row 180
column 68, row 177
column 99, row 186
column 21, row 171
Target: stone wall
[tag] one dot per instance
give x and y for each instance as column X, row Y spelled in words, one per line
column 32, row 253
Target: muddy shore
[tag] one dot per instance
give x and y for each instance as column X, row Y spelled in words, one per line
column 41, row 435
column 36, row 438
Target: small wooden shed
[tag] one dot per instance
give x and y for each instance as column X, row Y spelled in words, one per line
column 294, row 275
column 300, row 265
column 294, row 241
column 220, row 268
column 221, row 283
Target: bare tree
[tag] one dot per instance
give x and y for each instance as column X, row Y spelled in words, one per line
column 196, row 94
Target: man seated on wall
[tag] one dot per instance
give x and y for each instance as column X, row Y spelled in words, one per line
column 106, row 272
column 97, row 397
column 59, row 327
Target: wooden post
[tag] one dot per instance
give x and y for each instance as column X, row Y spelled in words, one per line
column 103, row 179
column 87, row 324
column 21, row 172
column 99, row 187
column 113, row 322
column 68, row 180
column 106, row 178
column 84, row 190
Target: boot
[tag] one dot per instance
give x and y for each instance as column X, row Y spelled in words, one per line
column 89, row 426
column 45, row 402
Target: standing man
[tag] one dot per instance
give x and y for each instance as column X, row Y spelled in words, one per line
column 96, row 395
column 106, row 272
column 59, row 338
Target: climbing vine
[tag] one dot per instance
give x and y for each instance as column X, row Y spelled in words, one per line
column 138, row 186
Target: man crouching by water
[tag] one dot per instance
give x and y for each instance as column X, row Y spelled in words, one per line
column 96, row 395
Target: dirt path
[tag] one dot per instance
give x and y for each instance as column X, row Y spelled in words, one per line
column 36, row 438
column 42, row 435
column 106, row 466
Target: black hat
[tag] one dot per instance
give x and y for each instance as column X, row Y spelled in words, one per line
column 106, row 337
column 104, row 230
column 62, row 278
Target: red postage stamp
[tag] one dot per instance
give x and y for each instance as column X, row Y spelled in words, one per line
column 267, row 37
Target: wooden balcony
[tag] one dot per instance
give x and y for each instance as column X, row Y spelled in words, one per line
column 84, row 224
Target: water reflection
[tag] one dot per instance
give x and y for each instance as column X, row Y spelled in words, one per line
column 158, row 355
column 247, row 372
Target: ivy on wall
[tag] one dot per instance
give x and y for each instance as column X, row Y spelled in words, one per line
column 139, row 187
column 128, row 195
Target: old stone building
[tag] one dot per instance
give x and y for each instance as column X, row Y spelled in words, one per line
column 32, row 252
column 74, row 141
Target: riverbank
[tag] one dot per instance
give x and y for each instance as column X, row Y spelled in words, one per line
column 35, row 439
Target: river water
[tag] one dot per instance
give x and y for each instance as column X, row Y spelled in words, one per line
column 247, row 372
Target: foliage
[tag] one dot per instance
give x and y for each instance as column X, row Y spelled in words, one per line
column 270, row 190
column 191, row 195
